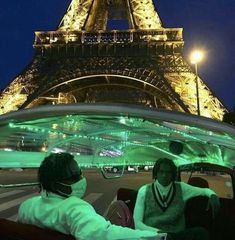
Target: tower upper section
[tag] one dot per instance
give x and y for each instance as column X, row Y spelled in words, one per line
column 93, row 15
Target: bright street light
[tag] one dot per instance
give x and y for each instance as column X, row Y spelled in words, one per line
column 195, row 57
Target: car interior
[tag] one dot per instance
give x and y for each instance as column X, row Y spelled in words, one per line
column 120, row 212
column 104, row 136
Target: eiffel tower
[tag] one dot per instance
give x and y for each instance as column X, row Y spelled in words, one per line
column 82, row 61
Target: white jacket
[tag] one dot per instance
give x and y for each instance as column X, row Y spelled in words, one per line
column 76, row 217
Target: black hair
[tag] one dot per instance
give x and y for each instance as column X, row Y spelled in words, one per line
column 57, row 167
column 164, row 161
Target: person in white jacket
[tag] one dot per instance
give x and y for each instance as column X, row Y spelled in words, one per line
column 60, row 206
column 160, row 205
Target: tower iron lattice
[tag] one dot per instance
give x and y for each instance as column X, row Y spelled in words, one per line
column 82, row 61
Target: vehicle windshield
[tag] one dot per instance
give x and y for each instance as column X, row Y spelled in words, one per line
column 99, row 135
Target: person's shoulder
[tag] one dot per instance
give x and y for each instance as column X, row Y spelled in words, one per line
column 181, row 183
column 29, row 202
column 144, row 187
column 32, row 199
column 78, row 205
column 73, row 200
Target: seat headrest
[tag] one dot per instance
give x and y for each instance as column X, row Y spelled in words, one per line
column 198, row 182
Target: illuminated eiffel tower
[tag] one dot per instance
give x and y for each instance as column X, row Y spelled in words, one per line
column 84, row 62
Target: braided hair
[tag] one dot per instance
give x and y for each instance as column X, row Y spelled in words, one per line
column 167, row 161
column 57, row 167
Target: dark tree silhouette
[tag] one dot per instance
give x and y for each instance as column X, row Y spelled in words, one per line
column 230, row 117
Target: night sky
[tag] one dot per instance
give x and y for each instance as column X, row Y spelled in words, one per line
column 207, row 24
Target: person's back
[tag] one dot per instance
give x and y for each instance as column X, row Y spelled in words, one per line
column 51, row 211
column 60, row 207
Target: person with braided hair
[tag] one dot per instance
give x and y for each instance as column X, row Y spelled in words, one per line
column 160, row 205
